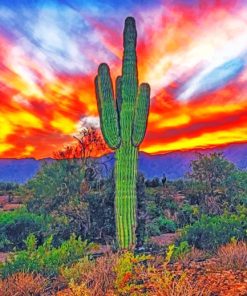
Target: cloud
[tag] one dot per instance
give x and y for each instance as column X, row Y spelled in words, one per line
column 194, row 58
column 89, row 121
column 63, row 124
column 212, row 78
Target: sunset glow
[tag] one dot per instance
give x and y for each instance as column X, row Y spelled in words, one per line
column 192, row 53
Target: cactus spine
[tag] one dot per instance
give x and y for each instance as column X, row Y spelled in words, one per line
column 123, row 123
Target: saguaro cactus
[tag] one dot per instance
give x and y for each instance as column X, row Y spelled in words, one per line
column 123, row 123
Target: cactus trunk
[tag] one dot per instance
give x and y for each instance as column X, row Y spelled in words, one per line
column 123, row 124
column 125, row 203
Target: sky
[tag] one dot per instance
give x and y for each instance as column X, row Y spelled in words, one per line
column 191, row 52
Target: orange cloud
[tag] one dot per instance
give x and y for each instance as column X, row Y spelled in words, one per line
column 41, row 106
column 63, row 124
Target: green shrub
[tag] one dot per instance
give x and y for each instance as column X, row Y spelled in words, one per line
column 153, row 229
column 17, row 225
column 209, row 233
column 188, row 214
column 78, row 202
column 181, row 250
column 152, row 209
column 45, row 259
column 161, row 225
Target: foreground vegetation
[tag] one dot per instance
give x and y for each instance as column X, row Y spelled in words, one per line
column 126, row 273
column 67, row 218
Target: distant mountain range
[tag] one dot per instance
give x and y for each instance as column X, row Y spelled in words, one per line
column 174, row 164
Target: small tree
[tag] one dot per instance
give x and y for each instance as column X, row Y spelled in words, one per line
column 89, row 145
column 212, row 171
column 209, row 182
column 68, row 188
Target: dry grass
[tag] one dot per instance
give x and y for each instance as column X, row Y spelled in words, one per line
column 75, row 290
column 77, row 272
column 180, row 287
column 150, row 280
column 102, row 277
column 232, row 256
column 95, row 280
column 149, row 277
column 23, row 284
column 193, row 256
column 166, row 283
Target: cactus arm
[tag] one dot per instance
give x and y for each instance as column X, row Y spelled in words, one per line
column 107, row 109
column 119, row 94
column 141, row 114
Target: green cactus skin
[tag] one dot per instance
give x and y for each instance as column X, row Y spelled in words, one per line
column 123, row 124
